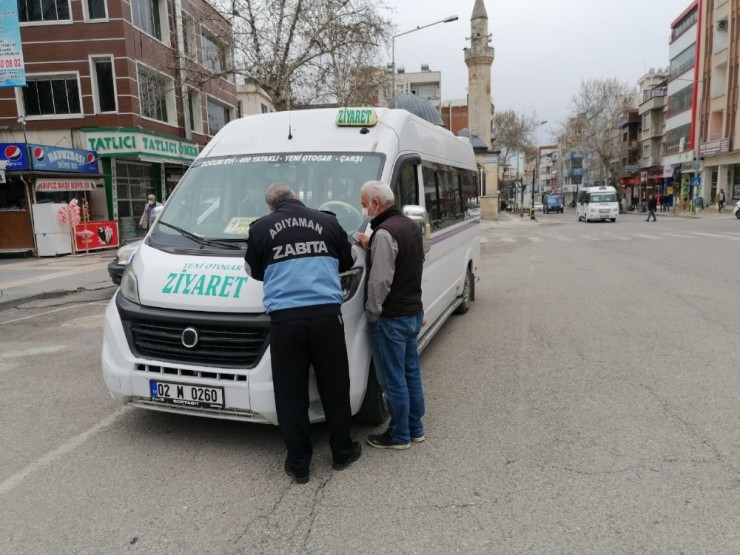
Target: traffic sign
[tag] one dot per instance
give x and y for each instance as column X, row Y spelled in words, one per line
column 695, row 181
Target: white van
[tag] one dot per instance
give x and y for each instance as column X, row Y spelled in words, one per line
column 597, row 203
column 187, row 331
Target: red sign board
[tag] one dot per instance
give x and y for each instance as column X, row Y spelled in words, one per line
column 96, row 235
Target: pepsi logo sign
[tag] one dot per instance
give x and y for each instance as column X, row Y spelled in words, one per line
column 13, row 153
column 91, row 158
column 38, row 153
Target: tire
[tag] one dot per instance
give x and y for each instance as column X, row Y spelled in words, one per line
column 373, row 410
column 467, row 294
column 612, row 220
column 737, row 214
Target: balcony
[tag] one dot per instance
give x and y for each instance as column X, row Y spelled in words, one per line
column 650, row 161
column 656, row 102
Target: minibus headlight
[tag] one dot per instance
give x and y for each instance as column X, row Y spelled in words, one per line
column 350, row 283
column 129, row 285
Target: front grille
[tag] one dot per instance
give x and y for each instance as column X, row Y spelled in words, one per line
column 225, row 340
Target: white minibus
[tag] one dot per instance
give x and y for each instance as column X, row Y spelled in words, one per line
column 597, row 203
column 187, row 331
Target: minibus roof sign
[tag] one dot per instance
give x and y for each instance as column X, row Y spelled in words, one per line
column 356, row 117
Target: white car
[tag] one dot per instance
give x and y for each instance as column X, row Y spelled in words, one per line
column 538, row 207
column 736, row 210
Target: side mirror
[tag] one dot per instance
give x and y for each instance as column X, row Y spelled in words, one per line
column 421, row 217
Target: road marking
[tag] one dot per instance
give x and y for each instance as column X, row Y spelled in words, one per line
column 34, row 351
column 54, row 275
column 52, row 311
column 483, row 240
column 535, row 239
column 505, row 240
column 708, row 234
column 611, row 235
column 589, row 237
column 14, row 481
column 645, row 236
column 678, row 235
column 560, row 238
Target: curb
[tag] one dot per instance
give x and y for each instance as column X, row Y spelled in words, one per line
column 13, row 303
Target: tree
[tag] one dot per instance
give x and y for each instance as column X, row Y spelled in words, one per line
column 513, row 135
column 306, row 51
column 600, row 103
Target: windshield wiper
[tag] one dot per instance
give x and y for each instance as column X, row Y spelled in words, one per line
column 198, row 239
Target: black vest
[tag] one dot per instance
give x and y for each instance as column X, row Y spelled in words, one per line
column 404, row 298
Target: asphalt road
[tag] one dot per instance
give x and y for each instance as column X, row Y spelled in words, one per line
column 588, row 402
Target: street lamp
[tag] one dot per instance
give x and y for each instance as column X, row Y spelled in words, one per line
column 449, row 19
column 535, row 172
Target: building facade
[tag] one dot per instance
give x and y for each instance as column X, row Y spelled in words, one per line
column 653, row 89
column 141, row 85
column 678, row 155
column 719, row 128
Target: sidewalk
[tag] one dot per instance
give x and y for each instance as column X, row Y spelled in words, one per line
column 27, row 279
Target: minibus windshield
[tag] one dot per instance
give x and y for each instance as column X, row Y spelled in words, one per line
column 218, row 198
column 603, row 197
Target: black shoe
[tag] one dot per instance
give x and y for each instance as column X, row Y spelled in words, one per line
column 298, row 477
column 353, row 456
column 385, row 441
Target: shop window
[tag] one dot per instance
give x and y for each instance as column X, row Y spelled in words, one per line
column 104, row 84
column 214, row 55
column 156, row 94
column 145, row 16
column 52, row 95
column 736, row 183
column 218, row 116
column 43, row 10
column 96, row 9
column 133, row 183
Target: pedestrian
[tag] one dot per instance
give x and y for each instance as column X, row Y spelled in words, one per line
column 651, row 205
column 721, row 200
column 394, row 313
column 149, row 216
column 298, row 253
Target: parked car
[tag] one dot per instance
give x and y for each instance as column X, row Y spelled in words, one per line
column 119, row 263
column 538, row 206
column 553, row 203
column 736, row 210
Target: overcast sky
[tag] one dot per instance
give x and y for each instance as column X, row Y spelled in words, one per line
column 543, row 48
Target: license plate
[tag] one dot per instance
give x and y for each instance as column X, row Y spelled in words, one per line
column 187, row 395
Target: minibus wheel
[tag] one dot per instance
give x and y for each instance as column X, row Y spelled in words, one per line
column 466, row 294
column 373, row 410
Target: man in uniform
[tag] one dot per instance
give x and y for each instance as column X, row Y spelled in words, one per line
column 298, row 253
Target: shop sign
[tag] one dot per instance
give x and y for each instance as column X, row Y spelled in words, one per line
column 711, row 148
column 56, row 159
column 96, row 235
column 55, row 185
column 12, row 68
column 15, row 155
column 125, row 142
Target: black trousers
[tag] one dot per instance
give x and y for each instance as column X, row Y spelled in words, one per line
column 295, row 345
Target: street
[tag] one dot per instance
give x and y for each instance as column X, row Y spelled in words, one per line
column 588, row 402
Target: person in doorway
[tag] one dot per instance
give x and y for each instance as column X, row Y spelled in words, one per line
column 394, row 313
column 652, row 204
column 721, row 200
column 149, row 216
column 306, row 326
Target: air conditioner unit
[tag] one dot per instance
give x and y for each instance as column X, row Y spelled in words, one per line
column 722, row 25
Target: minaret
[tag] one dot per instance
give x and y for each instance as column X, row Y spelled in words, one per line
column 479, row 59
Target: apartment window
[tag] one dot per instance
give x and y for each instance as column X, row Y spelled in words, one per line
column 52, row 95
column 145, row 16
column 96, row 9
column 218, row 116
column 154, row 90
column 683, row 62
column 685, row 25
column 196, row 117
column 677, row 140
column 214, row 58
column 104, row 84
column 188, row 38
column 43, row 10
column 681, row 101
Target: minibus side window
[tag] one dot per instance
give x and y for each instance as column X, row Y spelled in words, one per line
column 407, row 187
column 430, row 194
column 469, row 192
column 449, row 196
